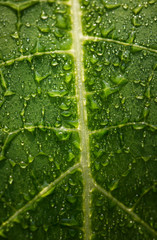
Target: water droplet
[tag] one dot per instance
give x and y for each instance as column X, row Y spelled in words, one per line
column 10, row 179
column 57, row 165
column 43, row 15
column 12, row 162
column 47, row 192
column 33, row 228
column 119, row 80
column 8, row 93
column 68, row 77
column 147, row 93
column 45, row 29
column 61, row 22
column 2, row 233
column 45, row 227
column 51, row 159
column 67, row 66
column 97, row 165
column 146, row 158
column 68, row 222
column 15, row 35
column 22, row 112
column 105, row 32
column 54, row 62
column 28, row 24
column 63, row 136
column 138, row 126
column 30, row 158
column 57, row 93
column 63, row 106
column 137, row 9
column 58, row 33
column 145, row 112
column 114, row 185
column 71, row 198
column 110, row 6
column 71, row 182
column 71, row 157
column 39, row 78
column 23, row 164
column 125, row 6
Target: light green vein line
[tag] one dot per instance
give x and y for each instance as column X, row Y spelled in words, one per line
column 88, row 38
column 32, row 128
column 24, row 5
column 51, row 128
column 127, row 210
column 84, row 135
column 12, row 135
column 43, row 193
column 142, row 195
column 30, row 56
column 137, row 125
column 9, row 138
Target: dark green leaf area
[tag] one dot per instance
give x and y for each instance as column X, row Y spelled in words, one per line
column 120, row 84
column 111, row 222
column 8, row 21
column 126, row 21
column 56, row 216
column 39, row 92
column 123, row 161
column 34, row 158
column 9, row 117
column 46, row 27
column 43, row 27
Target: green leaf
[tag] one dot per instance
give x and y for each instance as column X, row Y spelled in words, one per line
column 78, row 120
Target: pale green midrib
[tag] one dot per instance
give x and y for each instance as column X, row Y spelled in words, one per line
column 121, row 125
column 92, row 38
column 127, row 210
column 77, row 165
column 30, row 56
column 85, row 38
column 84, row 135
column 32, row 128
column 43, row 193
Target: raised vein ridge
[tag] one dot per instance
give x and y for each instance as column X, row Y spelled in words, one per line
column 127, row 210
column 43, row 193
column 30, row 56
column 84, row 134
column 88, row 38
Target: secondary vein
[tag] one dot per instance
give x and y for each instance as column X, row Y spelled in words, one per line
column 92, row 38
column 127, row 210
column 40, row 195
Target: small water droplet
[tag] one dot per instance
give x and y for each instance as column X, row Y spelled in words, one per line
column 15, row 35
column 67, row 66
column 43, row 15
column 30, row 158
column 23, row 164
column 71, row 198
column 10, row 179
column 125, row 6
column 28, row 24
